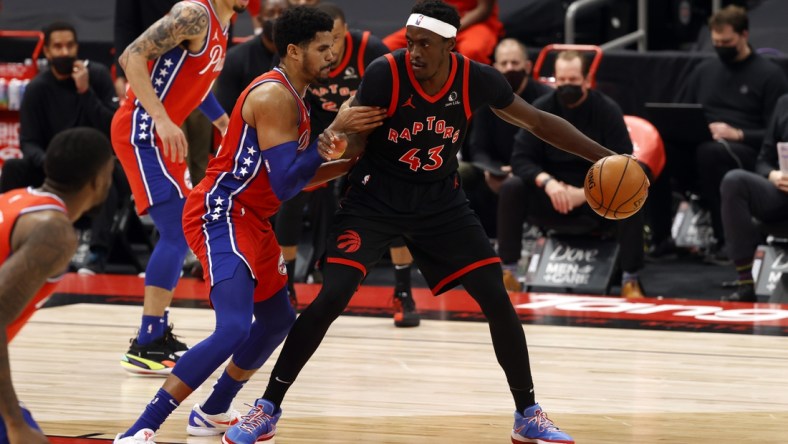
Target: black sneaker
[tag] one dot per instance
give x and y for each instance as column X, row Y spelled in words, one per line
column 96, row 263
column 173, row 342
column 744, row 293
column 405, row 310
column 156, row 358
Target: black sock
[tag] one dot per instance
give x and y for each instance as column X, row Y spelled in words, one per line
column 290, row 265
column 402, row 278
column 523, row 398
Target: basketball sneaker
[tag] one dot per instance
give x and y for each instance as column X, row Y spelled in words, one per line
column 258, row 425
column 156, row 358
column 405, row 310
column 510, row 281
column 533, row 426
column 203, row 424
column 173, row 342
column 143, row 436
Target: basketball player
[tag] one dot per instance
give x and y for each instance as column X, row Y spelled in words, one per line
column 170, row 69
column 407, row 184
column 355, row 50
column 265, row 158
column 37, row 241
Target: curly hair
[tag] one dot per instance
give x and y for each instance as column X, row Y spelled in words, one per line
column 298, row 26
column 75, row 157
column 439, row 10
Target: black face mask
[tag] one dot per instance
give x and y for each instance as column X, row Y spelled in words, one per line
column 727, row 54
column 515, row 78
column 569, row 94
column 63, row 65
column 268, row 30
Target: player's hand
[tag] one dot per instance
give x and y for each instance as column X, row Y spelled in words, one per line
column 222, row 123
column 120, row 88
column 173, row 141
column 358, row 119
column 496, row 182
column 721, row 130
column 559, row 196
column 81, row 76
column 331, row 145
column 24, row 434
column 779, row 180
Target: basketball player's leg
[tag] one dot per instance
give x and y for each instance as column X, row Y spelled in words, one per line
column 477, row 42
column 405, row 314
column 288, row 227
column 233, row 307
column 155, row 350
column 274, row 317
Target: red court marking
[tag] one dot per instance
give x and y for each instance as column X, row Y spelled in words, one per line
column 540, row 308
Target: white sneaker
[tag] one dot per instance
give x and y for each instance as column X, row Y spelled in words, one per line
column 203, row 424
column 144, row 436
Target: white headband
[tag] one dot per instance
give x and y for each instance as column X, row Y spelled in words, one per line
column 441, row 28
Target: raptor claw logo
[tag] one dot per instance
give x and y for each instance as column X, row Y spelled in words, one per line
column 349, row 241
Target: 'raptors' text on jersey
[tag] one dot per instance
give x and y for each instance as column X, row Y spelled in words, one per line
column 325, row 98
column 421, row 138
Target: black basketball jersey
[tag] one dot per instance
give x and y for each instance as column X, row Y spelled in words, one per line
column 420, row 140
column 325, row 98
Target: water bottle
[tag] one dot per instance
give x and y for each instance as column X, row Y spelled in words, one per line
column 22, row 89
column 3, row 93
column 14, row 99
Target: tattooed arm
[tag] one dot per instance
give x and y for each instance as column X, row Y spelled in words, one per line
column 186, row 23
column 42, row 243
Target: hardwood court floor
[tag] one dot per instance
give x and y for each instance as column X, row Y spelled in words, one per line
column 372, row 383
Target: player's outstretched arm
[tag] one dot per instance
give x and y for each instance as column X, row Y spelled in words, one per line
column 185, row 22
column 43, row 243
column 552, row 129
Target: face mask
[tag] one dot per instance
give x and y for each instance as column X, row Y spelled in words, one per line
column 727, row 54
column 569, row 94
column 64, row 65
column 268, row 30
column 515, row 78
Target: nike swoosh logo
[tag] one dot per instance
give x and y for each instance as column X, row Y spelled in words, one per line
column 279, row 380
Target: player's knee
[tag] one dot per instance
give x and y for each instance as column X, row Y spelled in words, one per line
column 232, row 334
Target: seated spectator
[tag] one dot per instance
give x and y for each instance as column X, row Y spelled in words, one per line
column 478, row 34
column 546, row 188
column 490, row 138
column 738, row 90
column 69, row 94
column 762, row 194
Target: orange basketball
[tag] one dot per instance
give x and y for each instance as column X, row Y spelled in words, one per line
column 616, row 187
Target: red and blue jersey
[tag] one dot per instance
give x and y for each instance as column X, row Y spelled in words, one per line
column 181, row 80
column 13, row 205
column 226, row 217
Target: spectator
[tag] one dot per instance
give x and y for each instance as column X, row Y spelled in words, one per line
column 251, row 58
column 738, row 90
column 490, row 139
column 547, row 186
column 69, row 94
column 762, row 194
column 478, row 34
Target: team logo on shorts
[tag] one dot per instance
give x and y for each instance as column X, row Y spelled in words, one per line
column 349, row 241
column 282, row 268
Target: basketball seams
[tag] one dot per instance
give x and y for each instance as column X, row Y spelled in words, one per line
column 626, row 176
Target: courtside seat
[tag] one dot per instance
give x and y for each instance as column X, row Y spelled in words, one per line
column 647, row 145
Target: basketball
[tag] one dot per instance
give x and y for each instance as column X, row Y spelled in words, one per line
column 616, row 187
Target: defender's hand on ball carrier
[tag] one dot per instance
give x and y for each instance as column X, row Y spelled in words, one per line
column 616, row 187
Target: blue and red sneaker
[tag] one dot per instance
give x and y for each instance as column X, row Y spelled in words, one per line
column 258, row 425
column 533, row 426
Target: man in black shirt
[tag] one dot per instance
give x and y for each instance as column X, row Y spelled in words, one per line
column 71, row 93
column 489, row 145
column 738, row 90
column 406, row 184
column 547, row 186
column 762, row 194
column 250, row 59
